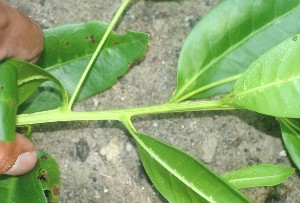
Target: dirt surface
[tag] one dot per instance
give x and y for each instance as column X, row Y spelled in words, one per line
column 98, row 160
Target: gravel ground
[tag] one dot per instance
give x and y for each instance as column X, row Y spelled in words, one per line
column 98, row 160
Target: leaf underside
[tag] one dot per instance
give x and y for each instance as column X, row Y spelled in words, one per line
column 68, row 50
column 230, row 37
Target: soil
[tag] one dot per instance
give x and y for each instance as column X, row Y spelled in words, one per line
column 98, row 160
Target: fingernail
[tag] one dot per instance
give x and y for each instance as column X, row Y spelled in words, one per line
column 24, row 163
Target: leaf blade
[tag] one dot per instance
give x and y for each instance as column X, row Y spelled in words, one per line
column 8, row 102
column 29, row 187
column 177, row 176
column 258, row 175
column 290, row 130
column 30, row 77
column 223, row 45
column 273, row 80
column 67, row 52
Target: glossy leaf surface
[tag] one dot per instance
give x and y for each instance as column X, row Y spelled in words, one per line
column 8, row 102
column 29, row 187
column 290, row 129
column 227, row 40
column 258, row 175
column 181, row 178
column 67, row 51
column 30, row 77
column 271, row 85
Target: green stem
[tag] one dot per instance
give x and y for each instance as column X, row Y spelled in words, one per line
column 59, row 115
column 206, row 87
column 92, row 60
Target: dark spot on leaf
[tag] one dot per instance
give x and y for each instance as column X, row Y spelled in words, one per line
column 44, row 158
column 12, row 104
column 232, row 96
column 55, row 191
column 295, row 38
column 91, row 38
column 115, row 43
column 47, row 194
column 1, row 87
column 129, row 64
column 42, row 178
column 43, row 175
column 66, row 44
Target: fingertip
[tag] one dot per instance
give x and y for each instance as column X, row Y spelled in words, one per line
column 24, row 163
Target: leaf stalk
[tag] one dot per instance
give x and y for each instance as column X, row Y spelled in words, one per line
column 119, row 115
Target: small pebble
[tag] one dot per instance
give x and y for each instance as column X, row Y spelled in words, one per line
column 282, row 153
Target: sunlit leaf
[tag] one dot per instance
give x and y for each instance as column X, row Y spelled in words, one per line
column 67, row 51
column 227, row 40
column 8, row 102
column 290, row 129
column 181, row 178
column 271, row 85
column 258, row 175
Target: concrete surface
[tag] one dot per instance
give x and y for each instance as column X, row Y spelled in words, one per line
column 98, row 160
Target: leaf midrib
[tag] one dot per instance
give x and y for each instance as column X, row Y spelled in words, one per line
column 231, row 49
column 175, row 173
column 258, row 178
column 238, row 94
column 89, row 55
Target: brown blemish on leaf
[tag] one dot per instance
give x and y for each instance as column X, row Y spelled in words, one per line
column 12, row 104
column 115, row 43
column 44, row 158
column 232, row 96
column 295, row 38
column 66, row 44
column 43, row 176
column 55, row 191
column 92, row 39
column 1, row 87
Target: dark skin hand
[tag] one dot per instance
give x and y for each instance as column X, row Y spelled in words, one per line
column 20, row 38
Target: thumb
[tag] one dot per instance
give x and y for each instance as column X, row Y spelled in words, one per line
column 18, row 157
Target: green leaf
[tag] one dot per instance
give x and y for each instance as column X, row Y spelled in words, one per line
column 49, row 176
column 258, row 175
column 290, row 129
column 181, row 178
column 8, row 102
column 30, row 187
column 67, row 51
column 25, row 188
column 271, row 85
column 226, row 41
column 30, row 77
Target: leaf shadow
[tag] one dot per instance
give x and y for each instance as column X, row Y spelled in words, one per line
column 263, row 123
